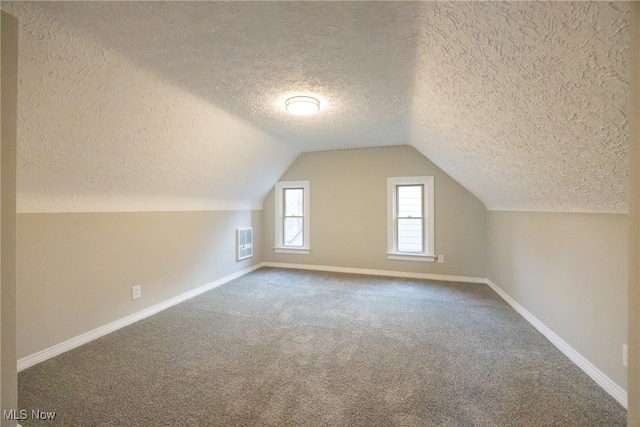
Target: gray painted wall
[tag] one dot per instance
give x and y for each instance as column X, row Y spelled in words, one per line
column 349, row 212
column 570, row 271
column 9, row 102
column 75, row 270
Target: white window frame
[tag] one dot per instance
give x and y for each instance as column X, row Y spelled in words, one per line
column 280, row 247
column 428, row 210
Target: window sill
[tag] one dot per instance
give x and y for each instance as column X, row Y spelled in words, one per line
column 297, row 251
column 403, row 256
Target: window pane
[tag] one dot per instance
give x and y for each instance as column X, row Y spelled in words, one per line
column 410, row 201
column 293, row 231
column 410, row 235
column 293, row 199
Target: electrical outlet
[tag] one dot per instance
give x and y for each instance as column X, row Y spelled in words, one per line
column 441, row 259
column 136, row 292
column 625, row 355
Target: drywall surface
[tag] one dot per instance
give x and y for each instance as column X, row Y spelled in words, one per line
column 634, row 220
column 249, row 57
column 570, row 271
column 349, row 212
column 75, row 270
column 525, row 103
column 8, row 128
column 99, row 133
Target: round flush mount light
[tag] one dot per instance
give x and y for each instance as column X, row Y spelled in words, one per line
column 302, row 105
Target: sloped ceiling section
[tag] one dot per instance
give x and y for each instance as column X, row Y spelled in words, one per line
column 99, row 133
column 525, row 103
column 179, row 105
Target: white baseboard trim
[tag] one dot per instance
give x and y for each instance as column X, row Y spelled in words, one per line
column 57, row 349
column 369, row 272
column 600, row 378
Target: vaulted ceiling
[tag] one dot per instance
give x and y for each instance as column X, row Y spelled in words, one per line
column 179, row 105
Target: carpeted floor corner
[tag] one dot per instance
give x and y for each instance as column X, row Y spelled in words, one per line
column 291, row 348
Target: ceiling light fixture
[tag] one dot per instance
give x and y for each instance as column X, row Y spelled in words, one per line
column 302, row 105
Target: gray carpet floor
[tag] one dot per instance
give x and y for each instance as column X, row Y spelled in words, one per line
column 291, row 348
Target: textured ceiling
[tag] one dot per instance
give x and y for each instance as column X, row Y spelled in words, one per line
column 248, row 57
column 181, row 102
column 525, row 104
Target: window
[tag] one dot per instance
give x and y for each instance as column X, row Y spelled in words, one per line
column 292, row 217
column 410, row 217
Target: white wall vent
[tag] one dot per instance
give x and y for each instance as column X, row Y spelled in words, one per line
column 244, row 243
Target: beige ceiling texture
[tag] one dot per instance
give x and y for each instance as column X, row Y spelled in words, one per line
column 523, row 103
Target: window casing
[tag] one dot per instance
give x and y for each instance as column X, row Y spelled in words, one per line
column 410, row 218
column 292, row 217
